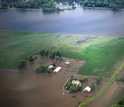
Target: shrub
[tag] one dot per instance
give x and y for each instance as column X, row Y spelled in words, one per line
column 93, row 86
column 21, row 63
column 46, row 52
column 31, row 58
column 49, row 70
column 85, row 78
column 41, row 69
column 98, row 80
column 57, row 58
column 42, row 53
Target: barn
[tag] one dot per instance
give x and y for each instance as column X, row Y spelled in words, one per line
column 57, row 69
column 87, row 89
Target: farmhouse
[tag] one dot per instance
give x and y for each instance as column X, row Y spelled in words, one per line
column 57, row 69
column 87, row 89
column 76, row 82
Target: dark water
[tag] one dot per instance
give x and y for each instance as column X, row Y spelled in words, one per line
column 78, row 21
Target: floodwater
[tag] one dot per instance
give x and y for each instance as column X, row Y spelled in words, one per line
column 26, row 88
column 79, row 21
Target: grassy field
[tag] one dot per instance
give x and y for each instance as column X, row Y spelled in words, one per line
column 102, row 54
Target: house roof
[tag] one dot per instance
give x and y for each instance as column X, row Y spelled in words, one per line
column 76, row 82
column 87, row 89
column 50, row 66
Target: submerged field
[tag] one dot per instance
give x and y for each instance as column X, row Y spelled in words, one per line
column 102, row 54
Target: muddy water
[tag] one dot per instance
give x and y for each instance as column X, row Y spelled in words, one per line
column 25, row 88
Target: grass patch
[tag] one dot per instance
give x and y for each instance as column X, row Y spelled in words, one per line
column 102, row 54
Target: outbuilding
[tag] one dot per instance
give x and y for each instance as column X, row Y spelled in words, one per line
column 57, row 69
column 50, row 66
column 87, row 89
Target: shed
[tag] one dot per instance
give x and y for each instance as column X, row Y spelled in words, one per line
column 87, row 89
column 67, row 62
column 57, row 69
column 50, row 66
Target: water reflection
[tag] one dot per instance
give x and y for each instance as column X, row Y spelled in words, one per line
column 78, row 21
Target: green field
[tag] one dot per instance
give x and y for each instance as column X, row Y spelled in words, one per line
column 102, row 54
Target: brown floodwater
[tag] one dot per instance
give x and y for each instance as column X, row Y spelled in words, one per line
column 26, row 88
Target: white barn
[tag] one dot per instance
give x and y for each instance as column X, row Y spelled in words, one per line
column 87, row 89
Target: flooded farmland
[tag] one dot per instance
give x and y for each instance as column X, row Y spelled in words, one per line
column 26, row 88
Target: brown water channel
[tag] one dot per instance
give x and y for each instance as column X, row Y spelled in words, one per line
column 26, row 88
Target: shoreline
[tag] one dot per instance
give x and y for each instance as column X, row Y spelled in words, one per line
column 103, row 8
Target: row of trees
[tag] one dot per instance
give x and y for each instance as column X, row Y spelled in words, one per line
column 54, row 54
column 46, row 5
column 50, row 6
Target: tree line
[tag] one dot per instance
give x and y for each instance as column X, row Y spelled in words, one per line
column 46, row 5
column 50, row 5
column 113, row 4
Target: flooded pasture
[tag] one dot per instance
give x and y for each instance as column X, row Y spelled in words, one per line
column 26, row 88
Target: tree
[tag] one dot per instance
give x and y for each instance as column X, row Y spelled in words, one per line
column 73, row 88
column 42, row 53
column 93, row 86
column 57, row 58
column 68, row 85
column 71, row 78
column 49, row 70
column 21, row 63
column 46, row 52
column 85, row 78
column 121, row 102
column 41, row 69
column 31, row 58
column 98, row 80
column 54, row 65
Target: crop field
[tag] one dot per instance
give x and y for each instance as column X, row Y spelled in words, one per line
column 102, row 54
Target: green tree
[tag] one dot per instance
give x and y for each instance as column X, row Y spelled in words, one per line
column 31, row 58
column 49, row 70
column 42, row 53
column 21, row 63
column 93, row 86
column 73, row 89
column 98, row 80
column 41, row 69
column 85, row 78
column 71, row 78
column 121, row 102
column 46, row 52
column 68, row 85
column 57, row 58
column 54, row 65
